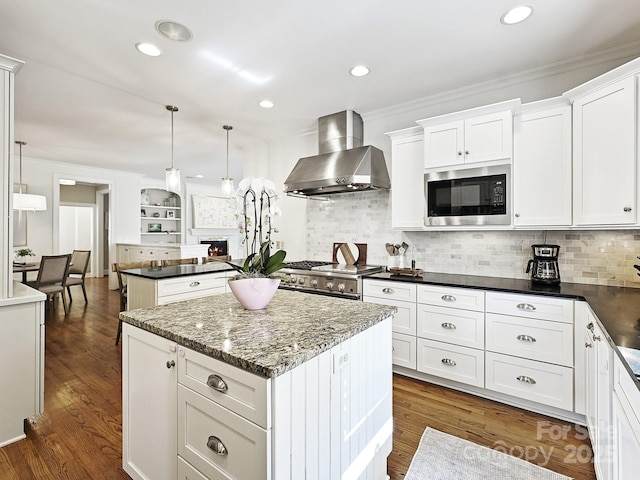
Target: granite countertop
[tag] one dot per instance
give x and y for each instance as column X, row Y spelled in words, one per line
column 617, row 308
column 294, row 328
column 172, row 271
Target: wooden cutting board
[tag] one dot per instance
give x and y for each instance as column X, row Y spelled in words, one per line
column 347, row 253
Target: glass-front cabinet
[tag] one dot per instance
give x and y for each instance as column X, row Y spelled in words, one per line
column 160, row 216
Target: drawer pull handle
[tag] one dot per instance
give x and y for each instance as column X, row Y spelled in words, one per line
column 448, row 298
column 171, row 363
column 388, row 290
column 526, row 338
column 448, row 325
column 590, row 326
column 216, row 445
column 217, row 383
column 525, row 306
column 525, row 379
column 448, row 361
column 194, row 284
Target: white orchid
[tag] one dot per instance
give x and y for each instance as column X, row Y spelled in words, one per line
column 256, row 210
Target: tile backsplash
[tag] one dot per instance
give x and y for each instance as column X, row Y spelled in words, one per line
column 603, row 257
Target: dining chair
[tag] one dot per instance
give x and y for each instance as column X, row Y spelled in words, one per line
column 179, row 261
column 51, row 277
column 77, row 271
column 122, row 285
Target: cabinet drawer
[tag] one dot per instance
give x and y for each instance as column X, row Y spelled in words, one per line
column 529, row 338
column 404, row 350
column 465, row 298
column 188, row 285
column 201, row 421
column 187, row 472
column 536, row 381
column 462, row 364
column 404, row 320
column 392, row 290
column 451, row 325
column 531, row 306
column 246, row 394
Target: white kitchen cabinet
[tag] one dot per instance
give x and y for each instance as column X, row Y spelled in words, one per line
column 149, row 405
column 329, row 418
column 477, row 135
column 148, row 292
column 22, row 347
column 403, row 296
column 160, row 216
column 604, row 155
column 599, row 385
column 407, row 180
column 130, row 252
column 542, row 165
column 624, row 449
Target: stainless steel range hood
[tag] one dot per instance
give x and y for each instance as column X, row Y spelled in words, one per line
column 343, row 164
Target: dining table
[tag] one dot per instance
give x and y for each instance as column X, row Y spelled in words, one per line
column 25, row 268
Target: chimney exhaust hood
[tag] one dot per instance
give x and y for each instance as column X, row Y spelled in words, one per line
column 343, row 164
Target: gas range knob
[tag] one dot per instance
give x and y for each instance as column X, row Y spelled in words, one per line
column 329, row 285
column 314, row 283
column 341, row 287
column 291, row 279
column 301, row 280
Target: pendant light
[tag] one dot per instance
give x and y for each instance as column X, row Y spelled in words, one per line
column 26, row 201
column 172, row 174
column 227, row 182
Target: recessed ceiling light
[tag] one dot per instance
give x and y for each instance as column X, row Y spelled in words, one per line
column 266, row 103
column 359, row 71
column 516, row 15
column 173, row 31
column 148, row 49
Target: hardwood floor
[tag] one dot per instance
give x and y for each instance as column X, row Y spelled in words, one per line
column 79, row 436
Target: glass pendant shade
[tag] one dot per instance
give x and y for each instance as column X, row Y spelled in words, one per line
column 173, row 179
column 227, row 186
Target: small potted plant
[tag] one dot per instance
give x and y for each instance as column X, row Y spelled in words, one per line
column 21, row 253
column 256, row 282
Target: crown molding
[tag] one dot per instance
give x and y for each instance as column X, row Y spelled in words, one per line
column 623, row 52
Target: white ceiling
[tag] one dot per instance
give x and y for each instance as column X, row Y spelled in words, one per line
column 86, row 96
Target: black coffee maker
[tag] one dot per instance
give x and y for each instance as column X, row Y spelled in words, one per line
column 544, row 266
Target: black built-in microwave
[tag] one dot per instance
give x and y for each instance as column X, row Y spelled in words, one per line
column 469, row 196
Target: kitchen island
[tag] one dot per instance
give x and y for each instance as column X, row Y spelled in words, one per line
column 303, row 389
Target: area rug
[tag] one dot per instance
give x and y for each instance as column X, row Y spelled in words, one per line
column 441, row 456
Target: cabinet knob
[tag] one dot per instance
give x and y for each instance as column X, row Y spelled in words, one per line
column 517, row 215
column 590, row 326
column 216, row 445
column 588, row 345
column 460, row 152
column 171, row 363
column 627, row 209
column 217, row 383
column 525, row 379
column 466, row 152
column 597, row 338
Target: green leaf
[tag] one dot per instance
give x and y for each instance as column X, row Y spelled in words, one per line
column 275, row 262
